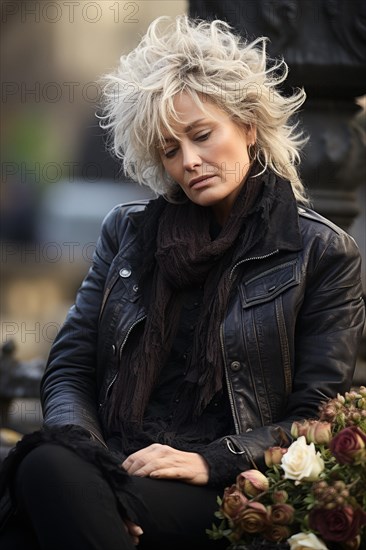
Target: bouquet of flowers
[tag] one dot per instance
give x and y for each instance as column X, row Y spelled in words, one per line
column 313, row 494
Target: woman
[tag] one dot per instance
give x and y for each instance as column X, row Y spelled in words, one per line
column 212, row 317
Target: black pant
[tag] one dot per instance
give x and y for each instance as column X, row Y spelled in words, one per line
column 66, row 504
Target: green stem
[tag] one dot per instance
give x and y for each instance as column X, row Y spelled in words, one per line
column 270, row 489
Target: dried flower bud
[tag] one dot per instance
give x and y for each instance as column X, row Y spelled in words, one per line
column 315, row 431
column 356, row 417
column 280, row 497
column 328, row 412
column 348, row 397
column 233, row 502
column 361, row 403
column 252, row 482
column 298, row 428
column 341, row 399
column 339, row 485
column 331, row 492
column 273, row 455
column 320, row 491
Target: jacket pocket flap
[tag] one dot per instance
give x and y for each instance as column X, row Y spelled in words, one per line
column 269, row 284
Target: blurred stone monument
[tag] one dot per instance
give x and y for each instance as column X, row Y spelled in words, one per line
column 324, row 44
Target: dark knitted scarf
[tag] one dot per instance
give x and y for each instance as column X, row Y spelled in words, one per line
column 178, row 253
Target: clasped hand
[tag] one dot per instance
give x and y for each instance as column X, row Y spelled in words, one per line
column 163, row 462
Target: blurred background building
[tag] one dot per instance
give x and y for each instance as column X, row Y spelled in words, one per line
column 57, row 180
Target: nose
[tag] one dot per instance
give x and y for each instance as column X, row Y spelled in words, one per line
column 190, row 155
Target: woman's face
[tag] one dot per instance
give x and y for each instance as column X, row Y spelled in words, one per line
column 210, row 160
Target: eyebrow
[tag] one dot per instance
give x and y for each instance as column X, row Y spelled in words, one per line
column 186, row 129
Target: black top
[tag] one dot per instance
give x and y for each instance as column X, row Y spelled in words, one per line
column 160, row 425
column 162, row 409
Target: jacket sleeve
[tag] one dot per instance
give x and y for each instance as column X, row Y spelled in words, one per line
column 327, row 336
column 68, row 386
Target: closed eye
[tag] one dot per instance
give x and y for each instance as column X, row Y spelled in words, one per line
column 203, row 137
column 170, row 154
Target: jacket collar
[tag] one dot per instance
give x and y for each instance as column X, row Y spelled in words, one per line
column 283, row 230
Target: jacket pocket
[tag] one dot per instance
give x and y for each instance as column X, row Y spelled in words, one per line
column 269, row 284
column 268, row 329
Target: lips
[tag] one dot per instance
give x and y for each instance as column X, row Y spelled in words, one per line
column 200, row 179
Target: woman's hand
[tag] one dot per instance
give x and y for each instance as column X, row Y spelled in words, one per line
column 164, row 462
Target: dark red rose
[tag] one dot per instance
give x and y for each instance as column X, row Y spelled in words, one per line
column 338, row 524
column 348, row 444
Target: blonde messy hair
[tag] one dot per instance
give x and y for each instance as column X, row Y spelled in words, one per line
column 209, row 62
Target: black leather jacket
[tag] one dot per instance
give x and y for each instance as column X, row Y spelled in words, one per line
column 289, row 338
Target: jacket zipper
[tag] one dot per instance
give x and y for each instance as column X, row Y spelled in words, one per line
column 129, row 332
column 231, row 399
column 252, row 258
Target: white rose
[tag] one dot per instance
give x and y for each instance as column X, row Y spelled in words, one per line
column 301, row 541
column 302, row 461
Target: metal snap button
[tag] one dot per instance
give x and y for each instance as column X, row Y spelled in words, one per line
column 135, row 288
column 235, row 366
column 124, row 272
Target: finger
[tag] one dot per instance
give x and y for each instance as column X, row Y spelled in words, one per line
column 134, row 462
column 156, row 449
column 181, row 474
column 143, row 466
column 169, row 473
column 145, row 471
column 133, row 528
column 131, row 465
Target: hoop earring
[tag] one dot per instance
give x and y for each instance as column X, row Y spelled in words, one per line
column 252, row 151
